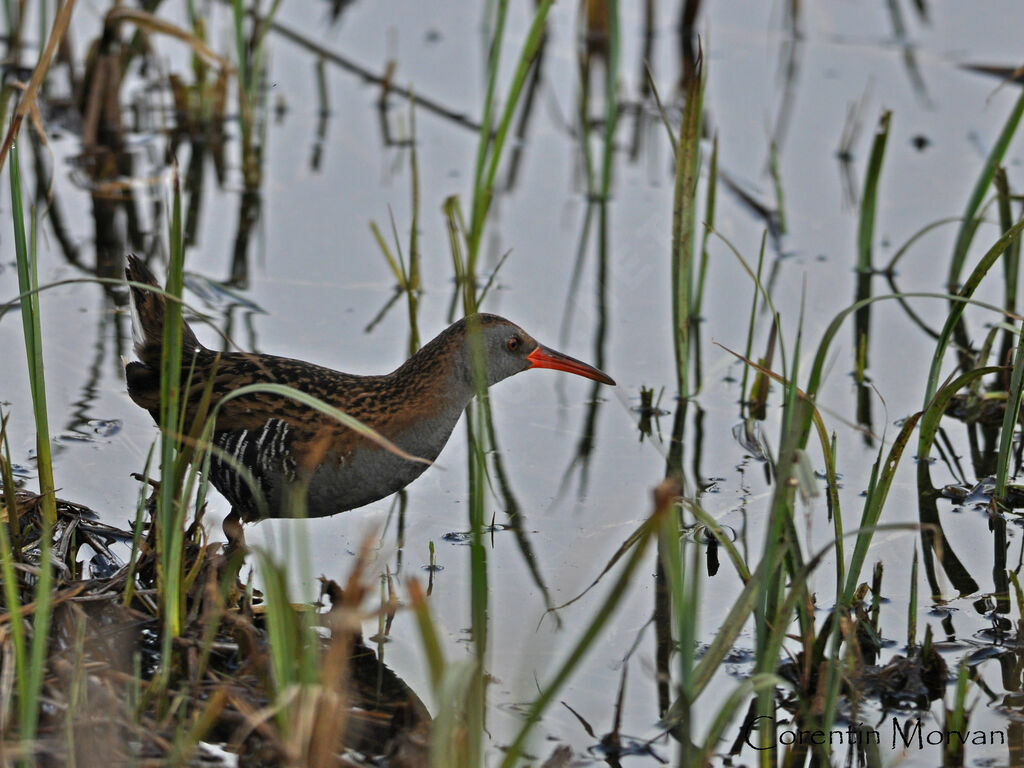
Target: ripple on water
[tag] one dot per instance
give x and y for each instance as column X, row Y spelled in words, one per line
column 92, row 431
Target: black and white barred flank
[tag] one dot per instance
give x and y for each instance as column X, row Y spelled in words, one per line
column 266, row 453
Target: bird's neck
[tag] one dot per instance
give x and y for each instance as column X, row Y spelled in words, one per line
column 437, row 384
column 444, row 367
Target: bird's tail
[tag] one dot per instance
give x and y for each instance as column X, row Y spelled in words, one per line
column 148, row 308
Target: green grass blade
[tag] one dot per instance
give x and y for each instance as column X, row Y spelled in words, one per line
column 484, row 188
column 957, row 310
column 716, row 731
column 8, row 558
column 611, row 106
column 598, row 622
column 428, row 635
column 684, row 218
column 875, row 503
column 413, row 283
column 1011, row 416
column 957, row 719
column 28, row 283
column 170, row 505
column 709, row 225
column 731, row 626
column 969, row 223
column 140, row 511
column 493, row 63
column 912, row 605
column 932, row 416
column 869, row 199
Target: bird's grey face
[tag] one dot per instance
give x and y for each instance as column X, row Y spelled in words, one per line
column 508, row 349
column 505, row 349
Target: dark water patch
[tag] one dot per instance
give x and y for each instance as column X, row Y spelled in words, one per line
column 712, row 484
column 92, row 431
column 102, row 566
column 465, row 537
column 1001, row 633
column 701, row 534
column 980, row 495
column 740, row 662
column 625, row 746
column 22, row 471
column 104, row 427
column 981, row 655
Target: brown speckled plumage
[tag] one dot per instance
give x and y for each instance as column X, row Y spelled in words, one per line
column 280, row 441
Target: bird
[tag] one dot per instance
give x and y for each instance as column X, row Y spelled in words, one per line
column 284, row 444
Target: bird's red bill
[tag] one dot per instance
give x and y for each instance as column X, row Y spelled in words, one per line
column 543, row 357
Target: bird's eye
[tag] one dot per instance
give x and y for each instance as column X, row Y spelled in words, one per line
column 513, row 343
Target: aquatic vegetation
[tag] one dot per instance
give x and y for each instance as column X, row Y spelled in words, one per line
column 676, row 210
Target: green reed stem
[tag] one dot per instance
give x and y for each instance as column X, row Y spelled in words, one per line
column 429, row 635
column 598, row 622
column 912, row 607
column 883, row 475
column 969, row 222
column 957, row 310
column 483, row 189
column 28, row 284
column 465, row 246
column 684, row 220
column 683, row 594
column 292, row 642
column 170, row 515
column 1011, row 416
column 493, row 65
column 709, row 224
column 1011, row 264
column 716, row 732
column 8, row 556
column 957, row 718
column 869, row 200
column 758, row 286
column 250, row 67
column 412, row 287
column 241, row 51
column 779, row 546
column 611, row 98
column 140, row 513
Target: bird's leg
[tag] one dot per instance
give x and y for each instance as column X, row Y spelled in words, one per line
column 234, row 532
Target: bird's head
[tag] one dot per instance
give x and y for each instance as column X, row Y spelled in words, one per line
column 507, row 349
